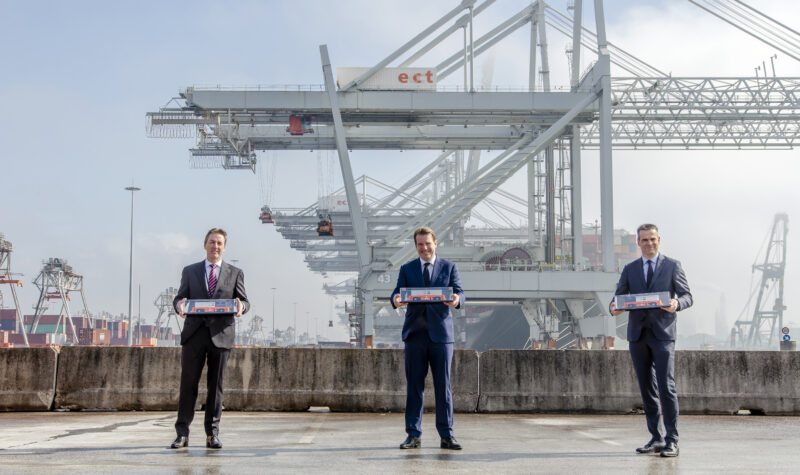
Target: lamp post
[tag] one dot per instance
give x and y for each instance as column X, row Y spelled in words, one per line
column 139, row 319
column 132, row 189
column 273, row 317
column 308, row 331
column 295, row 323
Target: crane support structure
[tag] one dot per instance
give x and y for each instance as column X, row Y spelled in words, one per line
column 55, row 281
column 762, row 331
column 5, row 278
column 542, row 128
column 166, row 312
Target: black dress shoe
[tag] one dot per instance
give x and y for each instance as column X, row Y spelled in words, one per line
column 654, row 446
column 450, row 443
column 180, row 441
column 212, row 442
column 671, row 450
column 411, row 442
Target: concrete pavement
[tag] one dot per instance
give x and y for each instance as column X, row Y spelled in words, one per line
column 317, row 442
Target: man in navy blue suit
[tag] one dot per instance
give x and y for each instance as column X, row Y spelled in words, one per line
column 651, row 336
column 428, row 337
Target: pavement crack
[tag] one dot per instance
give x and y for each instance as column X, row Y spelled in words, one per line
column 90, row 430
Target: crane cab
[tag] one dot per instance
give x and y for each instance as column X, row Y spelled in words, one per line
column 266, row 215
column 300, row 125
column 325, row 226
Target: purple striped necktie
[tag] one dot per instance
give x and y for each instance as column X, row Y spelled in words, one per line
column 212, row 281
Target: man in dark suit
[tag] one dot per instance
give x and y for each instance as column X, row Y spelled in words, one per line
column 428, row 337
column 207, row 337
column 651, row 336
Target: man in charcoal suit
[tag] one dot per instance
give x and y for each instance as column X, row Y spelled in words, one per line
column 651, row 336
column 207, row 338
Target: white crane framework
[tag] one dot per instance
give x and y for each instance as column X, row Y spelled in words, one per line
column 762, row 329
column 55, row 282
column 529, row 127
column 6, row 278
column 166, row 312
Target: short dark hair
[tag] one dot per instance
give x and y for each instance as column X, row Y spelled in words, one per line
column 216, row 231
column 646, row 227
column 424, row 230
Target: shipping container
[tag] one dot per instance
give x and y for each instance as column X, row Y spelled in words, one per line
column 88, row 336
column 148, row 342
column 37, row 339
column 8, row 314
column 49, row 319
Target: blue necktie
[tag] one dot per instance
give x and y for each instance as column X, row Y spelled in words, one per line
column 425, row 276
column 649, row 272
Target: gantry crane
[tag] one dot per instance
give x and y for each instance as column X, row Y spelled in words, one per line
column 55, row 282
column 762, row 330
column 539, row 131
column 6, row 278
column 255, row 332
column 166, row 312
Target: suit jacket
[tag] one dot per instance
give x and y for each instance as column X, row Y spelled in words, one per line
column 668, row 277
column 436, row 317
column 230, row 285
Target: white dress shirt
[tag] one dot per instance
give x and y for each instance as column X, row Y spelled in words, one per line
column 644, row 266
column 431, row 262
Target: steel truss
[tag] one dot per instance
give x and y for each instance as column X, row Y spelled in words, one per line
column 717, row 113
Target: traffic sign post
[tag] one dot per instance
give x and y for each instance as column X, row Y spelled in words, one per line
column 787, row 344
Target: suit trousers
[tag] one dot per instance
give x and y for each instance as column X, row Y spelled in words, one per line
column 194, row 354
column 654, row 363
column 420, row 351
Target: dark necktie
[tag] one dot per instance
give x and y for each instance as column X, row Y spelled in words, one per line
column 649, row 272
column 425, row 276
column 212, row 281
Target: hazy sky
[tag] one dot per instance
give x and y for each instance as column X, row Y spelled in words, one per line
column 78, row 78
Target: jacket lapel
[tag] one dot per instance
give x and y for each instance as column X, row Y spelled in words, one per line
column 200, row 274
column 416, row 270
column 437, row 266
column 660, row 264
column 224, row 276
column 640, row 273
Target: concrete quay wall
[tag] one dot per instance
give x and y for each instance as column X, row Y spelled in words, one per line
column 120, row 378
column 27, row 378
column 597, row 381
column 357, row 380
column 256, row 379
column 345, row 380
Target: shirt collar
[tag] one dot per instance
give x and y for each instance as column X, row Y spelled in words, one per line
column 208, row 263
column 423, row 262
column 654, row 259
